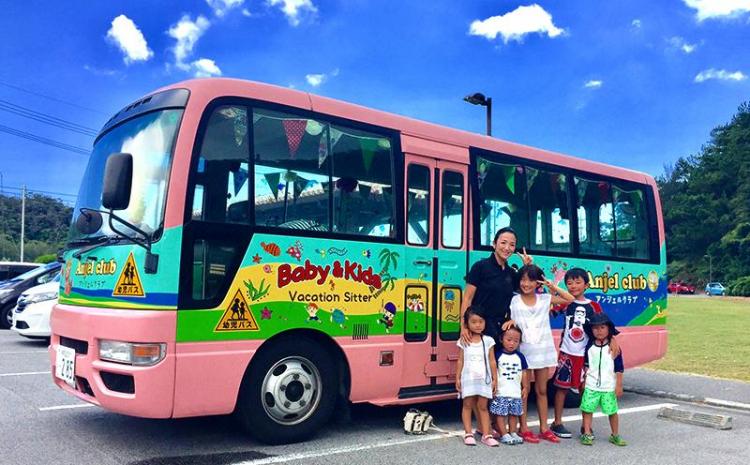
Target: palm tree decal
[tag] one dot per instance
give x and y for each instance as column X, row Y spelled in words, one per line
column 388, row 259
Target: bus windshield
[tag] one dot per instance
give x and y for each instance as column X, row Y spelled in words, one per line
column 149, row 138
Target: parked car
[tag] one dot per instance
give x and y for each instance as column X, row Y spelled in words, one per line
column 10, row 270
column 32, row 312
column 10, row 290
column 679, row 287
column 715, row 289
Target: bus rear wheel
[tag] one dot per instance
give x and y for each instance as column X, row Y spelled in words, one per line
column 288, row 392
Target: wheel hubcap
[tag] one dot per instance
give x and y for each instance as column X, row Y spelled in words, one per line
column 291, row 390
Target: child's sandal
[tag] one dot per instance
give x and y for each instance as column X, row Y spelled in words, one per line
column 488, row 440
column 469, row 440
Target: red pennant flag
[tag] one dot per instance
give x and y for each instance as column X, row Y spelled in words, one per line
column 295, row 129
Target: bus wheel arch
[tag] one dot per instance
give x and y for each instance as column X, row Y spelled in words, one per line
column 291, row 386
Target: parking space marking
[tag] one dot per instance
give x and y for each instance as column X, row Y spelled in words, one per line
column 24, row 352
column 26, row 373
column 431, row 437
column 65, row 407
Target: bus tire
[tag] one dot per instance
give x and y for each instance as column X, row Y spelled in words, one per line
column 289, row 391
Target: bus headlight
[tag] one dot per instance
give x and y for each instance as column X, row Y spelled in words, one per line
column 132, row 353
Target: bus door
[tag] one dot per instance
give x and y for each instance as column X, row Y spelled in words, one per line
column 435, row 259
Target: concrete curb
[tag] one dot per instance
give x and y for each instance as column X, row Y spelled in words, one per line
column 688, row 398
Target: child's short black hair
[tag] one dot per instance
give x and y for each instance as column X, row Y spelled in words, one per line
column 532, row 272
column 512, row 328
column 574, row 273
column 473, row 310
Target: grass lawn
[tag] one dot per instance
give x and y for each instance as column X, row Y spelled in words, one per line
column 708, row 336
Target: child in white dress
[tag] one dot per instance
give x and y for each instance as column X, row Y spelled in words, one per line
column 476, row 378
column 530, row 311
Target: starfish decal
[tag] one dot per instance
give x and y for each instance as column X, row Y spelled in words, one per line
column 256, row 258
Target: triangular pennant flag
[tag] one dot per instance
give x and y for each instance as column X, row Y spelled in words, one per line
column 239, row 179
column 368, row 147
column 335, row 136
column 295, row 129
column 273, row 183
column 322, row 150
column 509, row 173
column 300, row 184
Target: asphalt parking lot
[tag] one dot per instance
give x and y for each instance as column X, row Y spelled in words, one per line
column 40, row 424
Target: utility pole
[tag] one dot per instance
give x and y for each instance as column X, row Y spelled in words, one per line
column 23, row 216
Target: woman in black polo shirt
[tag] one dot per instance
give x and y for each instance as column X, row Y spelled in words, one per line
column 491, row 282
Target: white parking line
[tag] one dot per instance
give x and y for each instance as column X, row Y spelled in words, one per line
column 65, row 407
column 24, row 352
column 431, row 437
column 26, row 373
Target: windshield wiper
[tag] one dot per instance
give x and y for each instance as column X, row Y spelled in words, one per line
column 87, row 241
column 105, row 240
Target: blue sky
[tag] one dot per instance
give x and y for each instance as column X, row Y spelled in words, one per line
column 635, row 84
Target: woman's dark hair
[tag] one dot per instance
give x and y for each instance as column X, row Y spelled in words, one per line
column 575, row 273
column 473, row 310
column 504, row 230
column 533, row 272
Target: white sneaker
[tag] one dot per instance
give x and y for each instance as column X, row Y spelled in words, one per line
column 516, row 438
column 507, row 439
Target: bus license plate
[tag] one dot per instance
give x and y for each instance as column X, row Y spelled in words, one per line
column 65, row 365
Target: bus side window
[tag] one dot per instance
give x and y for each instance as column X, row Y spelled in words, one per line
column 363, row 200
column 550, row 218
column 418, row 205
column 631, row 221
column 452, row 188
column 596, row 231
column 502, row 200
column 292, row 165
column 221, row 188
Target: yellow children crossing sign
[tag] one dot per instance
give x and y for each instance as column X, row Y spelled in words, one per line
column 129, row 283
column 237, row 316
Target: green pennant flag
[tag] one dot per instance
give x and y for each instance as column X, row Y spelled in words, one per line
column 368, row 146
column 273, row 182
column 509, row 173
column 300, row 184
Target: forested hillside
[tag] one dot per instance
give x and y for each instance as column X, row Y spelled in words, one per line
column 706, row 203
column 47, row 223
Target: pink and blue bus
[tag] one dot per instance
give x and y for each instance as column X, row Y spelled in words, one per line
column 241, row 247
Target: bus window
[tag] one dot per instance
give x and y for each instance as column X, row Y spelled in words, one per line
column 221, row 190
column 594, row 204
column 362, row 183
column 452, row 189
column 418, row 205
column 291, row 171
column 548, row 199
column 502, row 200
column 631, row 222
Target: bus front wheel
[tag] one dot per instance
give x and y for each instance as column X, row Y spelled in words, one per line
column 289, row 391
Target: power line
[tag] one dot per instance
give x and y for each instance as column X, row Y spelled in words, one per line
column 44, row 140
column 38, row 191
column 12, row 86
column 47, row 119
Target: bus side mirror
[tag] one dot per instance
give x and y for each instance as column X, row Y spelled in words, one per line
column 118, row 178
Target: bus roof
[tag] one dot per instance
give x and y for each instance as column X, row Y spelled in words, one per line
column 418, row 137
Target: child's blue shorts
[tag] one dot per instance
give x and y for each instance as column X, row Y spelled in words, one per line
column 503, row 406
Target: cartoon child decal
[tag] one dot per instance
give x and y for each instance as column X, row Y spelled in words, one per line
column 415, row 303
column 388, row 313
column 67, row 278
column 312, row 311
column 575, row 324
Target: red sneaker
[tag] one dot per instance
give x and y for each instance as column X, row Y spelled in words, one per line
column 529, row 437
column 549, row 436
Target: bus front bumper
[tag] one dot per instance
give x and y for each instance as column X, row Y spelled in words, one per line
column 142, row 391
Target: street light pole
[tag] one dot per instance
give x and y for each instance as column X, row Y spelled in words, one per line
column 478, row 98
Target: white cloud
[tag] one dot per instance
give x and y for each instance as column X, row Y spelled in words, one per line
column 516, row 24
column 205, row 67
column 293, row 8
column 316, row 80
column 720, row 74
column 707, row 9
column 680, row 43
column 187, row 32
column 126, row 35
column 593, row 84
column 636, row 23
column 221, row 7
column 99, row 71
